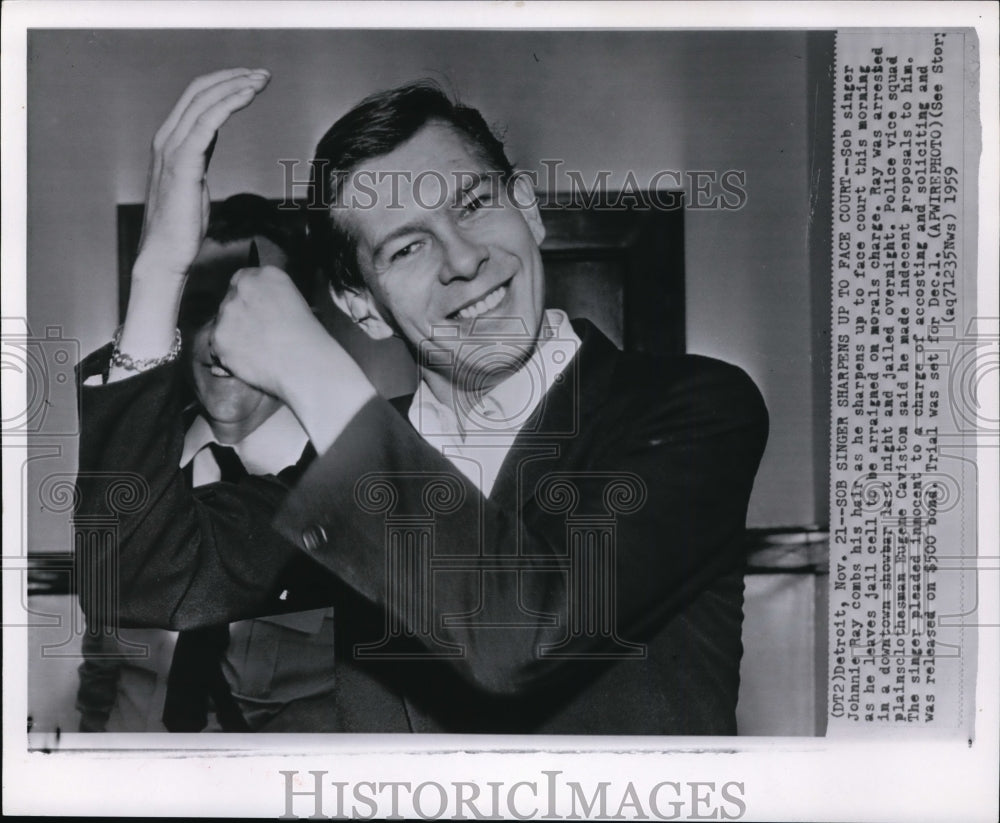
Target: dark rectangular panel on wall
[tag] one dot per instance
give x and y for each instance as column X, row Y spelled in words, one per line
column 620, row 266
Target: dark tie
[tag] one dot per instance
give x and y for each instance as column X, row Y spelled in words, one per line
column 196, row 669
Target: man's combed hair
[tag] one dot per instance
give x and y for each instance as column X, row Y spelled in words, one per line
column 246, row 215
column 375, row 127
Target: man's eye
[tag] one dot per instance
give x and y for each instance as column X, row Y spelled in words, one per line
column 474, row 203
column 406, row 251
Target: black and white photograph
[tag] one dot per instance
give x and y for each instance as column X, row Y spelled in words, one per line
column 501, row 411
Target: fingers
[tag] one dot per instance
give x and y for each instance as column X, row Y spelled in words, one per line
column 208, row 110
column 235, row 292
column 212, row 340
column 226, row 326
column 233, row 88
column 250, row 277
column 212, row 356
column 196, row 86
column 177, row 200
column 214, row 105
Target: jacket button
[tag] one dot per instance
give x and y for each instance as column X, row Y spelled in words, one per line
column 313, row 537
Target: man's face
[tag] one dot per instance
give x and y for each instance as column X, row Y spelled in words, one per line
column 446, row 253
column 226, row 400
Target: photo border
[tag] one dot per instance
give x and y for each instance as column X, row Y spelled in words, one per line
column 903, row 775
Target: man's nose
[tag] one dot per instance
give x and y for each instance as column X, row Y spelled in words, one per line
column 464, row 256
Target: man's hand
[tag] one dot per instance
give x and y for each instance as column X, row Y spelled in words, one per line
column 264, row 327
column 177, row 206
column 177, row 200
column 267, row 336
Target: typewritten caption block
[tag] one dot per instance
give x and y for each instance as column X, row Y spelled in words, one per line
column 902, row 585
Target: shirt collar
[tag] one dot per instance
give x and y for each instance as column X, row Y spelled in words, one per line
column 274, row 445
column 505, row 408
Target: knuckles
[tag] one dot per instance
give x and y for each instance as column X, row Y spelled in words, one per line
column 269, row 281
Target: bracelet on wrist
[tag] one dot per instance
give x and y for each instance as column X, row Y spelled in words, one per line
column 129, row 363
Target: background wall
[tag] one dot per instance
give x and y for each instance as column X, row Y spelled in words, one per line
column 623, row 101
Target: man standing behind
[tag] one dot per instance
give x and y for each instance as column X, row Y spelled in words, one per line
column 240, row 677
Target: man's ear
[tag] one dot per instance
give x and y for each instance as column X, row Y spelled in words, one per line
column 359, row 305
column 527, row 204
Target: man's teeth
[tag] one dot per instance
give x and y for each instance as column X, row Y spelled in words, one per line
column 219, row 371
column 490, row 301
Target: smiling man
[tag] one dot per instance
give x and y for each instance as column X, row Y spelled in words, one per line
column 550, row 534
column 430, row 275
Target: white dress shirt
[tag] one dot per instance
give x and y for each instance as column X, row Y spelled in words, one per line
column 476, row 437
column 274, row 445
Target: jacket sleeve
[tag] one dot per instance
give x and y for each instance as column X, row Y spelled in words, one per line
column 689, row 453
column 150, row 551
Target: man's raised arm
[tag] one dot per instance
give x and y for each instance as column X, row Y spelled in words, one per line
column 177, row 206
column 165, row 565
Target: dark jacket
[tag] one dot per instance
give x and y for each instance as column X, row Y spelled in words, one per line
column 598, row 589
